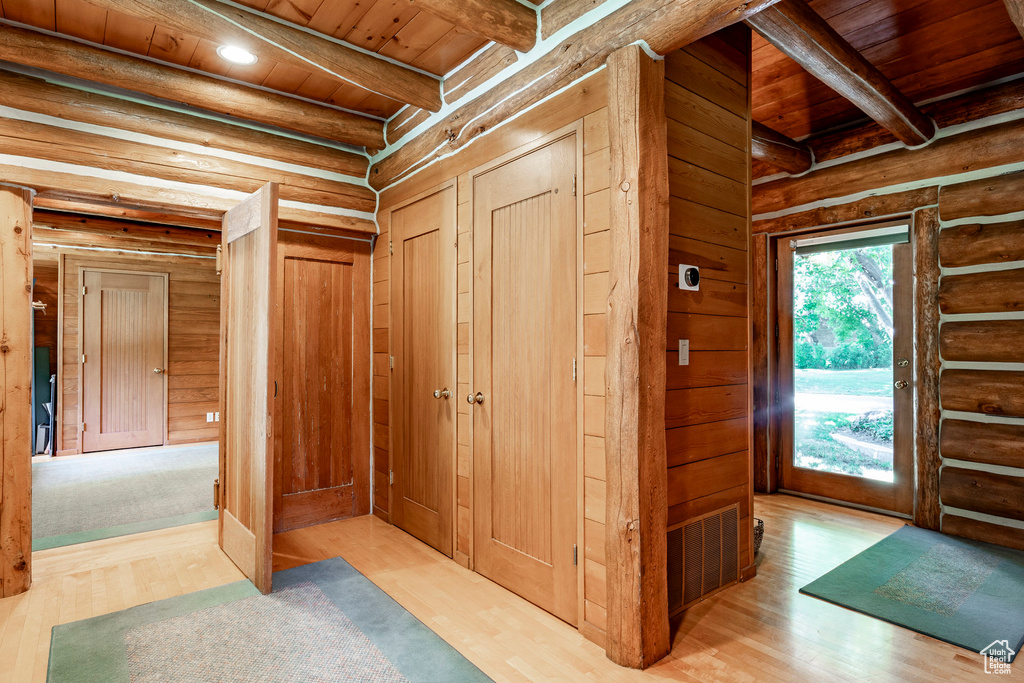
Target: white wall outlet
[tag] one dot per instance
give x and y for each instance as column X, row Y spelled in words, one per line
column 216, row 417
column 209, row 417
column 684, row 351
column 689, row 277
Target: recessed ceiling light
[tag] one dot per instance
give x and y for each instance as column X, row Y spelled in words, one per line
column 236, row 55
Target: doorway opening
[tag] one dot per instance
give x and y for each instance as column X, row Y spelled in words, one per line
column 845, row 372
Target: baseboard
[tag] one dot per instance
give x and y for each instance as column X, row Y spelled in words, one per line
column 462, row 559
column 594, row 634
column 380, row 513
column 749, row 572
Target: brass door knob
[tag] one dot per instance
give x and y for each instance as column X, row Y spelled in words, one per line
column 478, row 398
column 901, row 384
column 158, row 371
column 438, row 393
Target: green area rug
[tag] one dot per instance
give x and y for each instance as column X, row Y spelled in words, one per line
column 963, row 592
column 323, row 622
column 104, row 495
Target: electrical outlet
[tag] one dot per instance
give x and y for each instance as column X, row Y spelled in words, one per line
column 216, row 417
column 684, row 351
column 209, row 417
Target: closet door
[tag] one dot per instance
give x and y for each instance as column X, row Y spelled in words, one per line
column 423, row 304
column 322, row 439
column 524, row 346
column 249, row 242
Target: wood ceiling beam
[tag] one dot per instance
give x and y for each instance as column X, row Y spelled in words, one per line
column 778, row 150
column 504, row 21
column 801, row 34
column 259, row 34
column 1016, row 10
column 69, row 58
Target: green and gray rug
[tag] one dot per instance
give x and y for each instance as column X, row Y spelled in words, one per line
column 98, row 496
column 323, row 622
column 963, row 592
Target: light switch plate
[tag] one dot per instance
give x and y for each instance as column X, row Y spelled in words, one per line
column 684, row 351
column 209, row 417
column 216, row 417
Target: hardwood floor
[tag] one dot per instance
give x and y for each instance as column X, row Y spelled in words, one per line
column 763, row 630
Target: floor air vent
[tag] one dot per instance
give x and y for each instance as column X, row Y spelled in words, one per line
column 703, row 557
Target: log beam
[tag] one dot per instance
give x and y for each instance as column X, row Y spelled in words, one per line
column 265, row 37
column 69, row 58
column 927, row 512
column 800, row 33
column 1016, row 10
column 506, row 22
column 779, row 150
column 15, row 390
column 635, row 448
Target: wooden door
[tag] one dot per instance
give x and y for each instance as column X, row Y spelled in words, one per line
column 249, row 259
column 846, row 366
column 322, row 439
column 525, row 341
column 423, row 300
column 124, row 332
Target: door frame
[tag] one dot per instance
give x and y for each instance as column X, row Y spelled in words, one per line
column 573, row 129
column 82, row 270
column 452, row 184
column 872, row 496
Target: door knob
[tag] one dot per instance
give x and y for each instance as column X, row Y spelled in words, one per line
column 901, row 384
column 438, row 393
column 158, row 371
column 478, row 398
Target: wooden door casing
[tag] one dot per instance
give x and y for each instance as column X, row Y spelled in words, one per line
column 249, row 241
column 322, row 408
column 424, row 319
column 124, row 356
column 525, row 339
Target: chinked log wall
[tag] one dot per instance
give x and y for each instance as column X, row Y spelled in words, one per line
column 965, row 191
column 74, row 146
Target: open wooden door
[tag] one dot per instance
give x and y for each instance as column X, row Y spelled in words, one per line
column 249, row 244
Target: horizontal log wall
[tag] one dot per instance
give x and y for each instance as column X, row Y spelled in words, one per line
column 707, row 403
column 193, row 334
column 971, row 477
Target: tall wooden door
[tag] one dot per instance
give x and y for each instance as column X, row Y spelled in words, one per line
column 124, row 331
column 524, row 348
column 322, row 439
column 249, row 244
column 423, row 305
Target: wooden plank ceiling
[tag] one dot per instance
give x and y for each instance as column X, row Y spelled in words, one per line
column 392, row 28
column 927, row 48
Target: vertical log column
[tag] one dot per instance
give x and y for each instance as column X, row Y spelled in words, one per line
column 16, row 388
column 637, row 506
column 926, row 304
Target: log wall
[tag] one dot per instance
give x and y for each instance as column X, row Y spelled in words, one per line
column 965, row 192
column 707, row 406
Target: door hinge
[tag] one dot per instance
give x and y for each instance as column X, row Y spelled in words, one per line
column 391, row 477
column 574, row 557
column 220, row 252
column 83, row 357
column 83, row 426
column 391, row 362
column 776, row 331
column 573, row 369
column 85, row 290
column 216, row 494
column 776, row 265
column 573, row 184
column 391, row 247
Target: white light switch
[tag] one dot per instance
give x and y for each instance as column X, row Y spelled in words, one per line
column 216, row 417
column 684, row 351
column 209, row 417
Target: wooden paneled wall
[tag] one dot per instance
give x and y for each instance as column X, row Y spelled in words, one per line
column 706, row 412
column 585, row 102
column 964, row 191
column 193, row 334
column 45, row 269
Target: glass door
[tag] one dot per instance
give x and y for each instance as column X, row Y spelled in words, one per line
column 845, row 399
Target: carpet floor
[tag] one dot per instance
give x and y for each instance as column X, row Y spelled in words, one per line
column 324, row 622
column 963, row 592
column 125, row 492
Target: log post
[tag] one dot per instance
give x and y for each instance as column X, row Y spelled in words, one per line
column 16, row 385
column 637, row 507
column 926, row 306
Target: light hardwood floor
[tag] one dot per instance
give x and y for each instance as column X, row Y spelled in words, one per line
column 763, row 630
